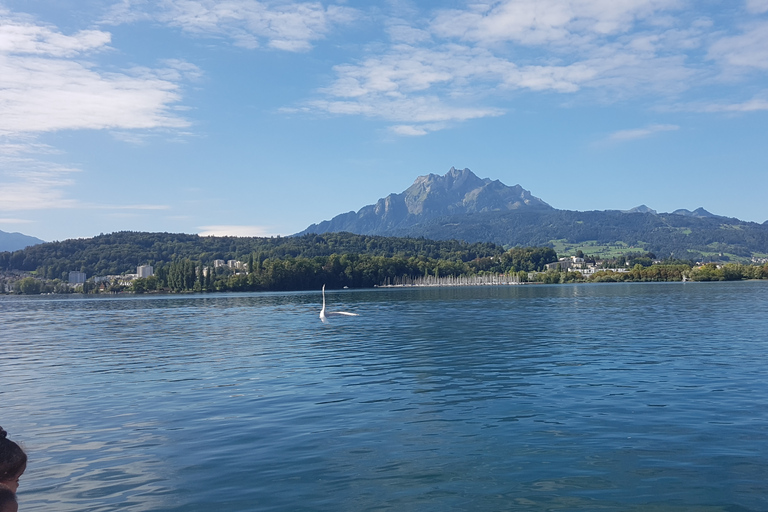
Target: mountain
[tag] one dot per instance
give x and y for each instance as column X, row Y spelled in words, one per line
column 462, row 206
column 16, row 241
column 698, row 212
column 458, row 192
column 642, row 209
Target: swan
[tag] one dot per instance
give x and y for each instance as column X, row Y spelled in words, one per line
column 324, row 315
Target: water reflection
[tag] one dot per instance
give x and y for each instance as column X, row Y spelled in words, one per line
column 615, row 397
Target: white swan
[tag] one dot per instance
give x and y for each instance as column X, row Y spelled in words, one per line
column 324, row 315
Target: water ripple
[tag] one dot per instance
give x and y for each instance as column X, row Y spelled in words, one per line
column 585, row 397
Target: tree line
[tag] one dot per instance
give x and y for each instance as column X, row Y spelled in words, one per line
column 335, row 271
column 185, row 263
column 122, row 252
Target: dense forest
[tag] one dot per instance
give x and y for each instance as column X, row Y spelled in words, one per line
column 667, row 235
column 186, row 262
column 122, row 252
column 336, row 271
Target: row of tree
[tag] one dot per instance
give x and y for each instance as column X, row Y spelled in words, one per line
column 336, row 271
column 367, row 271
column 122, row 252
column 708, row 272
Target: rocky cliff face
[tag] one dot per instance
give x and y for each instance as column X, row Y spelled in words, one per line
column 432, row 196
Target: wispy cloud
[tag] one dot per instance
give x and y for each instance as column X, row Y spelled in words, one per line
column 468, row 63
column 30, row 184
column 757, row 6
column 236, row 230
column 46, row 86
column 6, row 220
column 756, row 104
column 289, row 26
column 641, row 133
column 135, row 207
column 747, row 106
column 746, row 50
column 539, row 22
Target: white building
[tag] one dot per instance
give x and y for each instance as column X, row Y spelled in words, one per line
column 145, row 271
column 218, row 263
column 76, row 277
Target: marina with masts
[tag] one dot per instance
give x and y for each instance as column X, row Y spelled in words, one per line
column 479, row 280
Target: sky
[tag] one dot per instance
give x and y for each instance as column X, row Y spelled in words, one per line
column 259, row 118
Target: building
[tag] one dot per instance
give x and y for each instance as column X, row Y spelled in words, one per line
column 561, row 264
column 218, row 263
column 126, row 279
column 76, row 277
column 145, row 271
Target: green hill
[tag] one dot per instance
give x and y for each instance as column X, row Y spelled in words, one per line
column 679, row 236
column 122, row 252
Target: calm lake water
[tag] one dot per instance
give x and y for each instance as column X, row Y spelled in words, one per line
column 625, row 397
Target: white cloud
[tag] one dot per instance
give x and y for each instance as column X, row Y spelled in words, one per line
column 44, row 88
column 546, row 21
column 236, row 230
column 757, row 6
column 420, row 109
column 29, row 184
column 6, row 220
column 465, row 58
column 641, row 133
column 746, row 50
column 289, row 26
column 111, row 206
column 400, row 32
column 42, row 95
column 127, row 11
column 409, row 131
column 27, row 38
column 753, row 105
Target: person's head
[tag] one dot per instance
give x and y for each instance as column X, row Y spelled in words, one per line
column 8, row 501
column 13, row 462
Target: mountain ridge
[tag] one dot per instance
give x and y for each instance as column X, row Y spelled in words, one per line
column 432, row 196
column 462, row 206
column 16, row 241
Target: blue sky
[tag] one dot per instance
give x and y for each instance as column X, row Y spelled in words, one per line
column 258, row 118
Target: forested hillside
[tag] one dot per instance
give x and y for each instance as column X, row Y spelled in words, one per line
column 461, row 206
column 663, row 234
column 122, row 252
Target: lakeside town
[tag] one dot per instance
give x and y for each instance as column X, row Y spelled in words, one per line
column 567, row 269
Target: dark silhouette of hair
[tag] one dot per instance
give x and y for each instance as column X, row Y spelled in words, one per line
column 7, row 499
column 12, row 458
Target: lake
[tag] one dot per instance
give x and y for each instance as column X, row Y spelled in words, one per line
column 615, row 397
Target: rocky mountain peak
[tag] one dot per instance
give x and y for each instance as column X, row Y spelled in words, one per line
column 641, row 209
column 459, row 191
